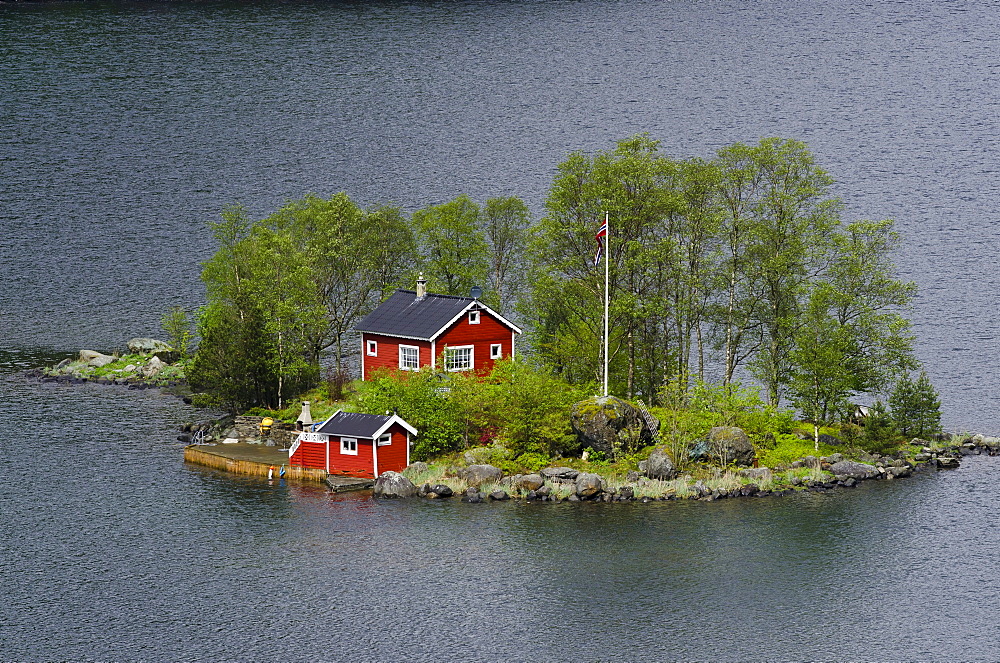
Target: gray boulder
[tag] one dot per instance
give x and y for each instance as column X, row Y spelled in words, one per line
column 442, row 490
column 95, row 359
column 477, row 475
column 727, row 444
column 145, row 346
column 529, row 482
column 658, row 466
column 394, row 484
column 758, row 473
column 611, row 425
column 560, row 473
column 830, row 440
column 588, row 484
column 850, row 468
column 153, row 368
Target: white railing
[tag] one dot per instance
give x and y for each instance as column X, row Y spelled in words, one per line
column 305, row 437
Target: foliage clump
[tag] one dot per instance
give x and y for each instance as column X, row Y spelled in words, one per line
column 518, row 407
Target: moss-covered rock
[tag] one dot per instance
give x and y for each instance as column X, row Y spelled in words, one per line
column 611, row 426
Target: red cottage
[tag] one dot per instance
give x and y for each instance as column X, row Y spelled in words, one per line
column 411, row 330
column 357, row 445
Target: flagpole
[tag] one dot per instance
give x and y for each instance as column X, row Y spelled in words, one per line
column 607, row 272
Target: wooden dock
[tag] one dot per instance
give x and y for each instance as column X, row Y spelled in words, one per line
column 258, row 460
column 341, row 484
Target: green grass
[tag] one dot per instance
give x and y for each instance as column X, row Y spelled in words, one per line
column 789, row 448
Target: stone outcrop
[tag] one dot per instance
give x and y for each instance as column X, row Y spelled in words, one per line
column 146, row 346
column 611, row 426
column 153, row 368
column 394, row 484
column 95, row 359
column 726, row 445
column 588, row 485
column 528, row 482
column 855, row 470
column 659, row 465
column 564, row 474
column 477, row 475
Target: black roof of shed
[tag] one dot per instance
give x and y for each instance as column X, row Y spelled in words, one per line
column 352, row 424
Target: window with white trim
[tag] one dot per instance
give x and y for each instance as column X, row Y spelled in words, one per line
column 385, row 439
column 458, row 358
column 349, row 446
column 409, row 357
column 496, row 349
column 372, row 349
column 473, row 317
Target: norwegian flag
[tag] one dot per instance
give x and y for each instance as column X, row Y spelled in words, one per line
column 601, row 234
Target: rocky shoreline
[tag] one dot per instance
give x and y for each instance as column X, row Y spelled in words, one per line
column 485, row 483
column 148, row 364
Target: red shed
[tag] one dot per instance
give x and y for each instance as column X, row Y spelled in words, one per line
column 357, row 445
column 413, row 329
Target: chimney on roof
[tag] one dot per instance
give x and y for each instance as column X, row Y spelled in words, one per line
column 421, row 287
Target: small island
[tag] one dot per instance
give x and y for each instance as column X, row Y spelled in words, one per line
column 600, row 352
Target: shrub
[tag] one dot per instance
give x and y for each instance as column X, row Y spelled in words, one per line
column 880, row 435
column 417, row 397
column 916, row 407
column 532, row 462
column 523, row 408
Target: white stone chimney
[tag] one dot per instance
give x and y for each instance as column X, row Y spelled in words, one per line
column 421, row 287
column 305, row 416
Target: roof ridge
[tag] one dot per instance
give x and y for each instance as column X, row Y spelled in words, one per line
column 434, row 294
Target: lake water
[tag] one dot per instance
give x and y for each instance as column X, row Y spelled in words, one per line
column 124, row 127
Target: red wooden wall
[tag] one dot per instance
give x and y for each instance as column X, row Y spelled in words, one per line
column 310, row 454
column 362, row 465
column 393, row 456
column 388, row 352
column 481, row 336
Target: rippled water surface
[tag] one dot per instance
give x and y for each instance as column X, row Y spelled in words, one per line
column 124, row 127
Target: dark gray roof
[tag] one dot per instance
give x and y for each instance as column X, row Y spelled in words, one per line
column 352, row 424
column 403, row 315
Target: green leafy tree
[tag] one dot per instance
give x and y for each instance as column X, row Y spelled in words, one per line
column 867, row 300
column 915, row 406
column 350, row 272
column 177, row 326
column 453, row 251
column 263, row 312
column 505, row 223
column 529, row 408
column 421, row 398
column 566, row 302
column 880, row 434
column 821, row 381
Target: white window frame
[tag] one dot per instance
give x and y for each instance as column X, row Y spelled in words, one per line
column 372, row 348
column 385, row 439
column 474, row 317
column 496, row 350
column 402, row 365
column 449, row 362
column 348, row 446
